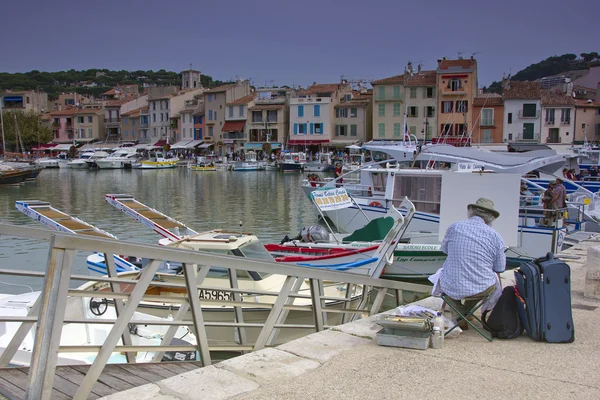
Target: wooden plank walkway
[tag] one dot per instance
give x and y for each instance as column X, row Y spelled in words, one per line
column 114, row 378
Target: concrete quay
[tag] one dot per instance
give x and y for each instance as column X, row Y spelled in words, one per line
column 345, row 362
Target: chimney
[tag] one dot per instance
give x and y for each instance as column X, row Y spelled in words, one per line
column 419, row 68
column 410, row 68
column 439, row 62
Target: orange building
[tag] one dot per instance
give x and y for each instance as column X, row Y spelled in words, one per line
column 488, row 118
column 457, row 87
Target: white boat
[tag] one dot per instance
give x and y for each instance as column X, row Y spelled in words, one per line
column 124, row 157
column 92, row 334
column 250, row 163
column 292, row 162
column 86, row 160
column 322, row 164
column 354, row 162
column 47, row 162
column 379, row 187
column 156, row 160
column 359, row 257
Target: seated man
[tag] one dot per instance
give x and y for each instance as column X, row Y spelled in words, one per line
column 475, row 257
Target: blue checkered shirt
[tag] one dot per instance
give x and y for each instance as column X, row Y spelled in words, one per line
column 475, row 252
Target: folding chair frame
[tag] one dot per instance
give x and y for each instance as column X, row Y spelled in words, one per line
column 469, row 314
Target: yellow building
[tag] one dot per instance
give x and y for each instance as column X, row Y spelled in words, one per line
column 388, row 108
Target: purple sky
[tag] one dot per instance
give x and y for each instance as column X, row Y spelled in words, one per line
column 291, row 42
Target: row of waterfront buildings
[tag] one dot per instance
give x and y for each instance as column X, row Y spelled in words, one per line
column 429, row 104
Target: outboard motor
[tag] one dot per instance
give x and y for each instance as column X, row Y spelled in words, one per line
column 314, row 233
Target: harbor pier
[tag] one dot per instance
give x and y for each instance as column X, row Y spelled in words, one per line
column 345, row 362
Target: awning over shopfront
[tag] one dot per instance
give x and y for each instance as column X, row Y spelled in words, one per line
column 62, row 147
column 253, row 146
column 340, row 144
column 308, row 142
column 233, row 126
column 180, row 145
column 205, row 145
column 45, row 146
column 193, row 144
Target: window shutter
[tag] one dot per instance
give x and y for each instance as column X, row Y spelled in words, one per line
column 416, row 112
column 312, row 128
column 295, row 129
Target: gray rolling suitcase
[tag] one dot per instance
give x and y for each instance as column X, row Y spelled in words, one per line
column 544, row 286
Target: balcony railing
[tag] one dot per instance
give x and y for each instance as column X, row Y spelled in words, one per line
column 550, row 139
column 112, row 120
column 522, row 114
column 565, row 122
column 277, row 100
column 487, row 122
column 234, row 135
column 531, row 138
column 549, row 122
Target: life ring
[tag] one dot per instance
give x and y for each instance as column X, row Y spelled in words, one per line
column 375, row 204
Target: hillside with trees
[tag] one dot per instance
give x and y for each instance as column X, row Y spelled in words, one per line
column 551, row 66
column 91, row 81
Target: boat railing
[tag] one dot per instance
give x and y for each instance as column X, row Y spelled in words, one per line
column 363, row 295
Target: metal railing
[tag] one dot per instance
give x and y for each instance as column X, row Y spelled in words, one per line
column 321, row 308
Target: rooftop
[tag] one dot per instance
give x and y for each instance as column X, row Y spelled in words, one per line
column 556, row 98
column 389, row 81
column 525, row 90
column 446, row 65
column 66, row 111
column 423, row 78
column 488, row 99
column 321, row 88
column 586, row 103
column 88, row 110
column 222, row 88
column 242, row 100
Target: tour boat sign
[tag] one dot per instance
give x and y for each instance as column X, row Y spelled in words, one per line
column 331, row 199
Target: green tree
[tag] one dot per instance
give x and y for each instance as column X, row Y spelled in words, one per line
column 28, row 126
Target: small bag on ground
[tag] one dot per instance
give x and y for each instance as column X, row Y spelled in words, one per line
column 503, row 321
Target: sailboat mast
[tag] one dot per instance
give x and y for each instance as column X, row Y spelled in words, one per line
column 2, row 124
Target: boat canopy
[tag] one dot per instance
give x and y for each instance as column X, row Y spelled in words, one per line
column 547, row 161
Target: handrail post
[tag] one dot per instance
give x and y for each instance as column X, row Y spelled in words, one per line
column 284, row 313
column 109, row 260
column 115, row 333
column 238, row 311
column 265, row 332
column 194, row 301
column 316, row 304
column 381, row 292
column 49, row 327
column 183, row 309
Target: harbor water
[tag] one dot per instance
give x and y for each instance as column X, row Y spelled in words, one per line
column 268, row 203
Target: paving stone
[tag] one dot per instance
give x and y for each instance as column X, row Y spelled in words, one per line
column 322, row 346
column 144, row 392
column 268, row 365
column 208, row 383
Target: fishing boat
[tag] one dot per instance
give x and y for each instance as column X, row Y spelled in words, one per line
column 48, row 162
column 380, row 186
column 203, row 167
column 89, row 334
column 250, row 163
column 156, row 160
column 322, row 164
column 122, row 158
column 292, row 162
column 359, row 256
column 13, row 177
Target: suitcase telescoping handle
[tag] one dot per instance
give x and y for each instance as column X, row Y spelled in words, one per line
column 549, row 256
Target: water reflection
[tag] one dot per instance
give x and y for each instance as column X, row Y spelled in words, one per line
column 270, row 204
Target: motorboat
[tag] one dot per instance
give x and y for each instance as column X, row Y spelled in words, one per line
column 17, row 174
column 88, row 334
column 353, row 162
column 360, row 247
column 123, row 157
column 322, row 164
column 292, row 162
column 47, row 162
column 85, row 160
column 379, row 186
column 157, row 160
column 250, row 163
column 203, row 167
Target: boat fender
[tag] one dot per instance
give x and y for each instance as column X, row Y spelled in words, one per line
column 375, row 204
column 98, row 307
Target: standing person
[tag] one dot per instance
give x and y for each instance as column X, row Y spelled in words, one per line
column 548, row 205
column 338, row 173
column 475, row 257
column 559, row 198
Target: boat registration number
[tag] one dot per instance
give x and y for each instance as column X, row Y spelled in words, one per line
column 215, row 295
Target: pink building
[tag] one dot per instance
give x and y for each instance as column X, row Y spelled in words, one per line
column 61, row 123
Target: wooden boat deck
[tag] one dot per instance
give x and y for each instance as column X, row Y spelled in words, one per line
column 115, row 378
column 156, row 217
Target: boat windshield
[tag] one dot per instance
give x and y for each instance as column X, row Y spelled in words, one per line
column 254, row 250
